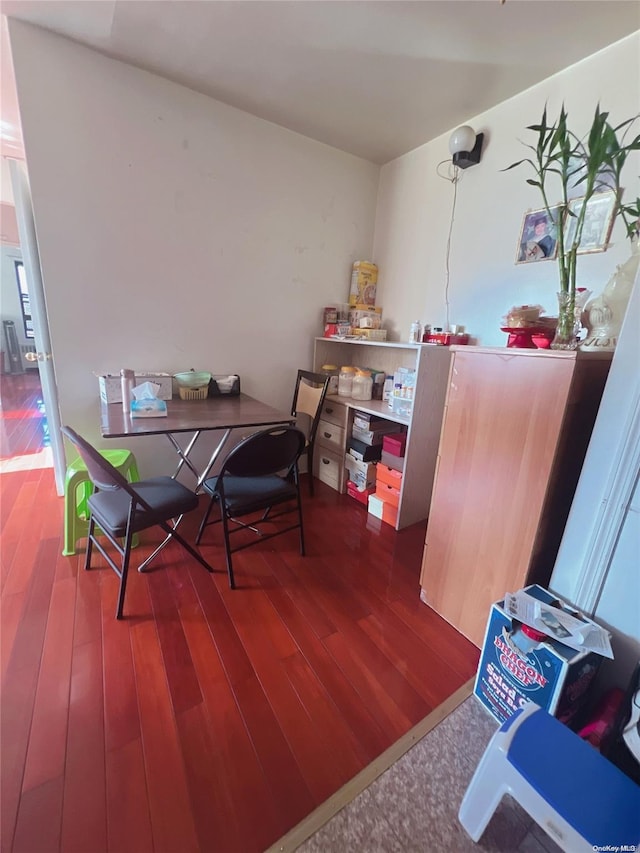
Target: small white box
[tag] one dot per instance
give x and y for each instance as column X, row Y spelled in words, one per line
column 111, row 387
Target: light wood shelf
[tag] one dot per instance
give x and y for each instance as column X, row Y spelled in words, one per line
column 431, row 364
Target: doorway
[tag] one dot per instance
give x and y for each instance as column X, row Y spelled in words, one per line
column 25, row 442
column 38, row 321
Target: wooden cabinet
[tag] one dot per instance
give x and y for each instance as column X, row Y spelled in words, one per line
column 431, row 364
column 515, row 431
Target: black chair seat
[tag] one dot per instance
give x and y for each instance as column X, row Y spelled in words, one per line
column 244, row 495
column 259, row 474
column 119, row 509
column 167, row 497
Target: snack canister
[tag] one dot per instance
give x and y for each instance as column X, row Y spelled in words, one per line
column 331, row 370
column 362, row 385
column 345, row 380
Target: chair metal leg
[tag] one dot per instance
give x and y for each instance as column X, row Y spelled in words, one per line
column 205, row 519
column 123, row 576
column 302, row 551
column 88, row 552
column 227, row 548
column 310, row 466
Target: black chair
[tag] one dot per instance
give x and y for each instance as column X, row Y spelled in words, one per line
column 308, row 397
column 258, row 474
column 121, row 509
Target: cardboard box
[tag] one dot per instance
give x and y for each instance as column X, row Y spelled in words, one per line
column 370, row 334
column 364, row 277
column 111, row 388
column 391, row 461
column 364, row 452
column 365, row 317
column 362, row 474
column 388, row 476
column 395, row 444
column 389, row 494
column 383, row 510
column 375, row 435
column 362, row 496
column 552, row 675
column 367, row 421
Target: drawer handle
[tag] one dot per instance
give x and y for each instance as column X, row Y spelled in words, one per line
column 329, row 410
column 326, row 462
column 327, row 434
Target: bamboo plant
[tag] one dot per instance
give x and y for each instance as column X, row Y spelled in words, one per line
column 582, row 167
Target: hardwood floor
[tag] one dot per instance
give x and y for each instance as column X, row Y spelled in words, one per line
column 208, row 719
column 23, row 426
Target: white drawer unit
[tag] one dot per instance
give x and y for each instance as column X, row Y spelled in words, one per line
column 328, row 466
column 423, row 422
column 334, row 412
column 330, row 436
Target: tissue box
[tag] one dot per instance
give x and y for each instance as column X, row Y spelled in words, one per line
column 111, row 389
column 150, row 408
column 222, row 384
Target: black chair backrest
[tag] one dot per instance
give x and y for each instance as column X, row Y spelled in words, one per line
column 266, row 452
column 101, row 472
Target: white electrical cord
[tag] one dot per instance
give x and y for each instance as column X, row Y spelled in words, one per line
column 453, row 176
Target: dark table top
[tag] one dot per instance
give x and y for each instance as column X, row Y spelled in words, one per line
column 224, row 412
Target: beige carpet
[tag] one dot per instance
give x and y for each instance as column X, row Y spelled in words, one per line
column 320, row 816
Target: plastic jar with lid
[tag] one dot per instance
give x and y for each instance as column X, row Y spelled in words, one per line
column 331, row 370
column 527, row 639
column 362, row 385
column 345, row 380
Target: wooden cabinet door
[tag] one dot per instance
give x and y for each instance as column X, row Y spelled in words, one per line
column 503, row 417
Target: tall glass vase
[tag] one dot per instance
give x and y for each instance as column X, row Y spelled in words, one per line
column 567, row 330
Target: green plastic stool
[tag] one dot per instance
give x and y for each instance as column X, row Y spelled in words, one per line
column 78, row 489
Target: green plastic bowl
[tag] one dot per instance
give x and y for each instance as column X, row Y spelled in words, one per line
column 193, row 378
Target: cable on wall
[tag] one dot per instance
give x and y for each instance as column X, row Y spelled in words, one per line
column 466, row 148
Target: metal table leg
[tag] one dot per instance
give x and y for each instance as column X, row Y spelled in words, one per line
column 200, row 477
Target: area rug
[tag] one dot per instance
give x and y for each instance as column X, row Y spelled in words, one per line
column 320, row 816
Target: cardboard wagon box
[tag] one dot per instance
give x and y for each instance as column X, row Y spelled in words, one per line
column 553, row 675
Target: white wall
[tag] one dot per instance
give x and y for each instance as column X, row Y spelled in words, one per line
column 412, row 224
column 177, row 232
column 414, row 208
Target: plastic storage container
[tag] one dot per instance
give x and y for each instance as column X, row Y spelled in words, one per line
column 345, row 381
column 362, row 385
column 331, row 370
column 127, row 381
column 415, row 333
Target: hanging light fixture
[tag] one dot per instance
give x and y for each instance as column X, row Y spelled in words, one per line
column 465, row 146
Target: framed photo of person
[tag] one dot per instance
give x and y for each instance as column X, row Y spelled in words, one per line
column 538, row 236
column 598, row 222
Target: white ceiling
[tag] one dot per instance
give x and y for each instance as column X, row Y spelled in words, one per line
column 376, row 78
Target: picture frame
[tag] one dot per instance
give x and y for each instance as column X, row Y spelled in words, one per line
column 598, row 222
column 539, row 236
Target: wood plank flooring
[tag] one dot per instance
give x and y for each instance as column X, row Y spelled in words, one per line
column 23, row 426
column 208, row 719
